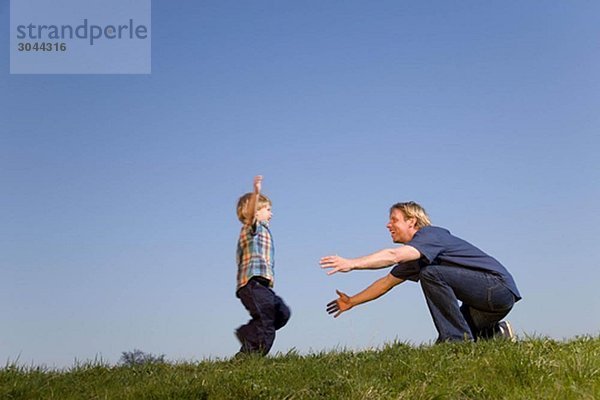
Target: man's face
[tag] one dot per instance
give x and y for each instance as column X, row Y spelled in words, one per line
column 264, row 213
column 402, row 230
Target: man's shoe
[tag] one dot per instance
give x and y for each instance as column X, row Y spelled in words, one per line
column 505, row 331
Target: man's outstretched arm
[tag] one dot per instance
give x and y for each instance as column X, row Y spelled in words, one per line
column 380, row 259
column 375, row 290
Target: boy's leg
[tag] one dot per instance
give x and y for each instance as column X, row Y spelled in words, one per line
column 485, row 300
column 259, row 333
column 247, row 334
column 282, row 313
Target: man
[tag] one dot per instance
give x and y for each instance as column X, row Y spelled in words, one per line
column 449, row 269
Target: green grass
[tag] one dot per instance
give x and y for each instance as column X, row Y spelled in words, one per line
column 529, row 369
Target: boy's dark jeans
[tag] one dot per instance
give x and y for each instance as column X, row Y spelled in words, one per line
column 269, row 313
column 485, row 301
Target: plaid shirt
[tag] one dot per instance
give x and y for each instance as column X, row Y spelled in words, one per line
column 255, row 253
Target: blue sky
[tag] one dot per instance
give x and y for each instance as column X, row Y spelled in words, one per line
column 118, row 204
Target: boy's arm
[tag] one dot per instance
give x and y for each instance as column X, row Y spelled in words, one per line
column 251, row 207
column 374, row 291
column 380, row 259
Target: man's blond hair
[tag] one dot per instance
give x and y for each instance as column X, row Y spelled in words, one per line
column 410, row 209
column 242, row 204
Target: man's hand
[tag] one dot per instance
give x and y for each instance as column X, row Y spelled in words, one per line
column 257, row 183
column 336, row 263
column 341, row 304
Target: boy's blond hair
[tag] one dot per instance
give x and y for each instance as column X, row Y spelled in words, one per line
column 242, row 204
column 410, row 209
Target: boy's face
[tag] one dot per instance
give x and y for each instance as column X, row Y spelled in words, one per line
column 264, row 213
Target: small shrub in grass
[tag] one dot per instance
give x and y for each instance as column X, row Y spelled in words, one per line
column 137, row 358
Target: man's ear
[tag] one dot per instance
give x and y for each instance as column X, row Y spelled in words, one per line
column 413, row 222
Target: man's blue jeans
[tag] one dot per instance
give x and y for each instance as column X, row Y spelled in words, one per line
column 485, row 301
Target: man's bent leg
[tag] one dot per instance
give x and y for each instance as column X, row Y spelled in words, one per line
column 485, row 299
column 483, row 316
column 443, row 304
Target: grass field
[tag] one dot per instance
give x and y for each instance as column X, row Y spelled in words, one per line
column 529, row 369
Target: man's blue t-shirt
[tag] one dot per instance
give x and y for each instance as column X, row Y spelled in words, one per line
column 439, row 247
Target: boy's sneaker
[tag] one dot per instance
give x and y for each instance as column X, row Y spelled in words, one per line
column 506, row 331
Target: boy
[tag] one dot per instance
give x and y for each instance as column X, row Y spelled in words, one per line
column 255, row 262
